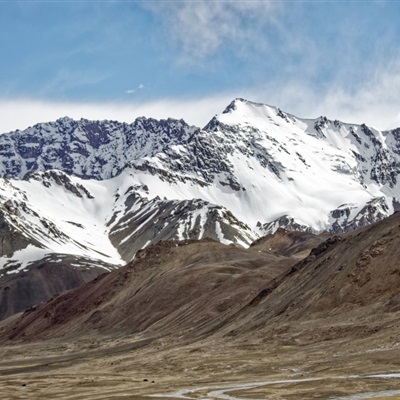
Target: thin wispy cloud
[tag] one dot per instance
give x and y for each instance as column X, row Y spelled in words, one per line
column 131, row 91
column 67, row 78
column 201, row 28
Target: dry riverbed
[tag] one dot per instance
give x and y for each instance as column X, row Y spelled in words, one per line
column 135, row 368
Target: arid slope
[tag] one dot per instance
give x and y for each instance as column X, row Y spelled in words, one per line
column 196, row 289
column 171, row 287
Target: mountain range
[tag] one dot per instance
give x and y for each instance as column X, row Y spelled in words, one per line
column 88, row 195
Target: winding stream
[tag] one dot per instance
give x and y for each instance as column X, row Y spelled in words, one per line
column 222, row 392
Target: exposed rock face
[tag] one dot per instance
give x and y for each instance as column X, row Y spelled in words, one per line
column 349, row 218
column 11, row 240
column 59, row 178
column 88, row 149
column 172, row 219
column 284, row 222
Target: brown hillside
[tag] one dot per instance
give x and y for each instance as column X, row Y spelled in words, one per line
column 168, row 287
column 195, row 289
column 348, row 280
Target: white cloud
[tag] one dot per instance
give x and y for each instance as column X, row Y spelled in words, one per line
column 201, row 27
column 21, row 113
column 375, row 103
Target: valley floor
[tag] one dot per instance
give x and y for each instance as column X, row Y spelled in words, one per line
column 254, row 368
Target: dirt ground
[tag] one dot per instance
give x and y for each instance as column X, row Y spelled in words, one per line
column 257, row 368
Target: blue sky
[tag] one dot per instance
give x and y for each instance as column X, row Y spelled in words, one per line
column 189, row 59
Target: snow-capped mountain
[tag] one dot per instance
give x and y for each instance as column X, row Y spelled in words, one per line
column 87, row 149
column 104, row 189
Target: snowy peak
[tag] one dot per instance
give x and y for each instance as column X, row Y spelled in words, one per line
column 308, row 165
column 244, row 112
column 241, row 106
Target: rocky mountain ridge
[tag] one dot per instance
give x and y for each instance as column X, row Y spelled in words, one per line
column 104, row 189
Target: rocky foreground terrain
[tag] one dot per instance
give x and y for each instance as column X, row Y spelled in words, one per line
column 294, row 316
